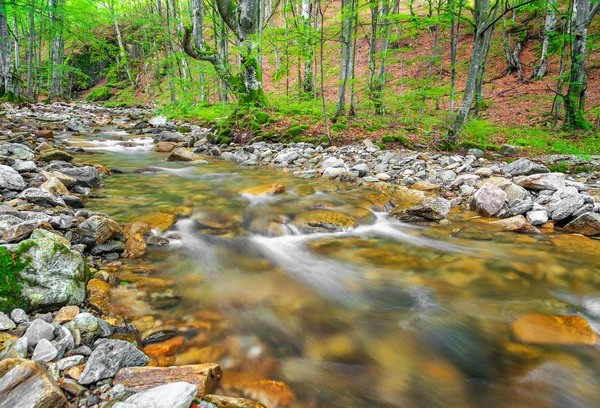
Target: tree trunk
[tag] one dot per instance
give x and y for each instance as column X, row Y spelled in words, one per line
column 454, row 36
column 549, row 31
column 7, row 84
column 346, row 55
column 17, row 77
column 122, row 51
column 56, row 86
column 308, row 84
column 31, row 52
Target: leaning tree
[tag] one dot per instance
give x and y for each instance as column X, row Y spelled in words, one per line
column 244, row 18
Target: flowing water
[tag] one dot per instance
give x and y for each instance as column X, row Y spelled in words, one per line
column 387, row 315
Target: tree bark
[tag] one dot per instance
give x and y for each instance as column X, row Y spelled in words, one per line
column 549, row 31
column 56, row 87
column 7, row 83
column 31, row 52
column 348, row 10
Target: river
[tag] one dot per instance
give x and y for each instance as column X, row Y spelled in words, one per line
column 385, row 315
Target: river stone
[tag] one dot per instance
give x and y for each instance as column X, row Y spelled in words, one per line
column 44, row 352
column 517, row 223
column 28, row 386
column 55, row 154
column 362, row 169
column 108, row 247
column 21, row 152
column 38, row 330
column 182, row 154
column 77, row 125
column 10, row 179
column 565, row 208
column 135, row 246
column 54, row 186
column 509, row 150
column 41, row 197
column 325, row 221
column 6, row 323
column 68, row 362
column 87, row 325
column 218, row 401
column 158, row 121
column 16, row 350
column 524, row 167
column 174, row 395
column 538, row 328
column 97, row 230
column 174, row 137
column 205, row 377
column 537, row 217
column 24, row 166
column 84, row 176
column 67, row 181
column 430, row 209
column 108, row 358
column 23, row 230
column 488, row 200
column 586, row 224
column 54, row 275
column 19, row 316
column 549, row 181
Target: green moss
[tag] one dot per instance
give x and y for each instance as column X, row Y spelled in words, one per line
column 255, row 125
column 183, row 129
column 339, row 126
column 380, row 145
column 324, row 140
column 404, row 141
column 101, row 93
column 293, row 131
column 262, row 117
column 387, row 139
column 10, row 281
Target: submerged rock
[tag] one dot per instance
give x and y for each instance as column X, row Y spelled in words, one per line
column 538, row 328
column 325, row 221
column 182, row 154
column 430, row 209
column 517, row 223
column 217, row 401
column 275, row 188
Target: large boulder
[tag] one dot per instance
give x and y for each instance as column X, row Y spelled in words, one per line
column 549, row 181
column 430, row 209
column 488, row 200
column 10, row 179
column 41, row 197
column 182, row 154
column 53, row 275
column 325, row 221
column 84, row 176
column 29, row 386
column 586, row 224
column 108, row 358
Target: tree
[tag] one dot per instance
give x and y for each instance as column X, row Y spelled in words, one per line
column 549, row 31
column 244, row 22
column 8, row 85
column 577, row 92
column 380, row 34
column 348, row 11
column 56, row 87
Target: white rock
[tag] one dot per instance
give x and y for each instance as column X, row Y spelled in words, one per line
column 6, row 323
column 174, row 395
column 44, row 352
column 69, row 362
column 383, row 176
column 537, row 217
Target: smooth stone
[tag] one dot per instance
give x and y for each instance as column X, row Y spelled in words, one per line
column 517, row 223
column 44, row 352
column 174, row 395
column 587, row 224
column 549, row 181
column 538, row 217
column 538, row 328
column 488, row 200
column 38, row 330
column 10, row 179
column 6, row 323
column 19, row 316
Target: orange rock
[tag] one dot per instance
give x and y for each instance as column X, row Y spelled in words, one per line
column 135, row 247
column 136, row 228
column 204, row 376
column 229, row 402
column 102, row 169
column 66, row 314
column 161, row 220
column 200, row 355
column 165, row 147
column 98, row 293
column 268, row 392
column 275, row 188
column 538, row 328
column 164, row 348
column 28, row 385
column 75, row 372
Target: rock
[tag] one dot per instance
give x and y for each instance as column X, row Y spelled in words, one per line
column 182, row 154
column 76, row 125
column 383, row 176
column 158, row 121
column 55, row 187
column 550, row 181
column 362, row 169
column 538, row 328
column 38, row 330
column 67, row 181
column 165, row 147
column 173, row 137
column 217, row 401
column 509, row 150
column 587, row 224
column 565, row 208
column 21, row 152
column 68, row 362
column 54, row 275
column 97, row 229
column 160, row 220
column 476, row 152
column 205, row 377
column 66, row 314
column 325, row 221
column 6, row 323
column 24, row 166
column 537, row 217
column 270, row 189
column 28, row 386
column 10, row 179
column 175, row 395
column 430, row 209
column 23, row 230
column 19, row 316
column 41, row 197
column 425, row 186
column 135, row 246
column 108, row 247
column 98, row 293
column 84, row 176
column 71, row 387
column 16, row 350
column 488, row 200
column 517, row 223
column 44, row 352
column 524, row 167
column 108, row 358
column 55, row 154
column 87, row 325
column 166, row 347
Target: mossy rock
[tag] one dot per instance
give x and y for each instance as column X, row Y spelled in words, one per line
column 262, row 118
column 380, row 145
column 101, row 93
column 404, row 141
column 293, row 131
column 387, row 139
column 255, row 126
column 183, row 129
column 325, row 221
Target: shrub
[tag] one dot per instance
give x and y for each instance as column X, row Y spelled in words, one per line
column 102, row 93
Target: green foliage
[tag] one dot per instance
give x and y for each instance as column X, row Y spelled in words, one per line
column 380, row 145
column 404, row 141
column 101, row 93
column 387, row 139
column 10, row 281
column 339, row 126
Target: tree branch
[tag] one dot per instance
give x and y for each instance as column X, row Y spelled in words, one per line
column 506, row 11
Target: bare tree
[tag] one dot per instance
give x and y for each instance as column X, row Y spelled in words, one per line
column 549, row 30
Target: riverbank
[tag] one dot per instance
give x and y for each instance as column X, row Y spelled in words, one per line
column 413, row 187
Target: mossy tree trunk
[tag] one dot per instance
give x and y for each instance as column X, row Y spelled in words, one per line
column 243, row 19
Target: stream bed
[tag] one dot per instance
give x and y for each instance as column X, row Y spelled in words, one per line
column 382, row 315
